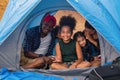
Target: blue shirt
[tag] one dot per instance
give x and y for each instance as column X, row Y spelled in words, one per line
column 32, row 40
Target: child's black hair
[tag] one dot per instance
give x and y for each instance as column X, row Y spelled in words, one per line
column 77, row 34
column 68, row 21
column 88, row 25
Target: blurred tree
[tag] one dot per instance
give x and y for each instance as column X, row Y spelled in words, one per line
column 3, row 4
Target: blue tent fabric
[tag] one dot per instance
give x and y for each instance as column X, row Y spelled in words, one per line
column 16, row 11
column 21, row 14
column 5, row 74
column 104, row 16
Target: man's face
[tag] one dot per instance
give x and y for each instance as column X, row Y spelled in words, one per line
column 47, row 27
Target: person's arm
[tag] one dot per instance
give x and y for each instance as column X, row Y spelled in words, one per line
column 79, row 56
column 28, row 44
column 58, row 53
column 79, row 52
column 31, row 55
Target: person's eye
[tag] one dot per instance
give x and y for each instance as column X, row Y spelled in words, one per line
column 82, row 39
column 46, row 25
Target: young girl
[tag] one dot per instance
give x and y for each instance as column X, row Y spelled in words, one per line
column 89, row 50
column 68, row 51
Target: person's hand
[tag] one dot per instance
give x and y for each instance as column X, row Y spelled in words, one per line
column 88, row 36
column 57, row 60
column 52, row 58
column 97, row 58
column 50, row 61
column 72, row 66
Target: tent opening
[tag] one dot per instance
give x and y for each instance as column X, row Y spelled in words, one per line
column 80, row 21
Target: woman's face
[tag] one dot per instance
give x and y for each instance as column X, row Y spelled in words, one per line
column 66, row 33
column 81, row 40
column 89, row 31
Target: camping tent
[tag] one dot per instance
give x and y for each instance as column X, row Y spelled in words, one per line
column 22, row 14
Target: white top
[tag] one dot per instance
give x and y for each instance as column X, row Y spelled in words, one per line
column 44, row 45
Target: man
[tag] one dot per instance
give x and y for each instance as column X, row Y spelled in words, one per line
column 39, row 43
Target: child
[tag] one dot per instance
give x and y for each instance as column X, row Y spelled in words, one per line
column 89, row 50
column 68, row 51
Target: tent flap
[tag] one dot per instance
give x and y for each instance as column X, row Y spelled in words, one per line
column 100, row 13
column 21, row 14
column 16, row 11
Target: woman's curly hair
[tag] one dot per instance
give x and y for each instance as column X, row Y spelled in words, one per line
column 68, row 21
